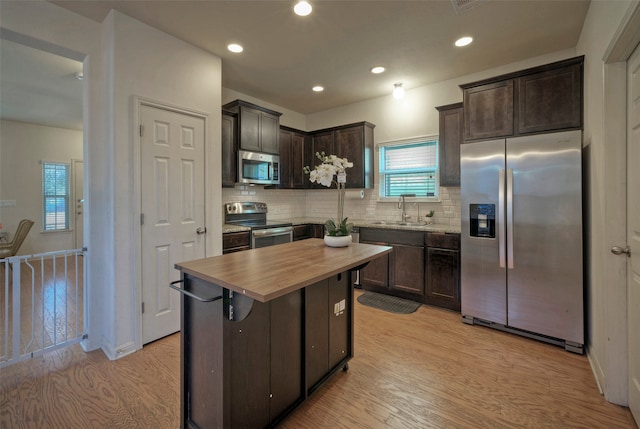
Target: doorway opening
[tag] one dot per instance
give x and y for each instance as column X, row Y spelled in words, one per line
column 42, row 283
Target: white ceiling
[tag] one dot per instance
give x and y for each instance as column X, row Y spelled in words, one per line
column 39, row 87
column 285, row 55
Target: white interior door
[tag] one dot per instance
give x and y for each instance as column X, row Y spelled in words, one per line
column 172, row 204
column 633, row 229
column 78, row 199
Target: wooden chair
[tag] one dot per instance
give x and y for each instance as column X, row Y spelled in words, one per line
column 11, row 248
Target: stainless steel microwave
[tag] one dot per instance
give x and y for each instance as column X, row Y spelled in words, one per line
column 258, row 168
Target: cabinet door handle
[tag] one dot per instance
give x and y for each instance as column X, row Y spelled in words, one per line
column 172, row 285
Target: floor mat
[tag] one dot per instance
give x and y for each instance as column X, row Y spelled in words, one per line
column 388, row 303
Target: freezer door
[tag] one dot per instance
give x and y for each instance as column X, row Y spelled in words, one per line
column 483, row 269
column 544, row 243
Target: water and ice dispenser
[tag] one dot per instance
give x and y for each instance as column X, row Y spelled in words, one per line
column 482, row 220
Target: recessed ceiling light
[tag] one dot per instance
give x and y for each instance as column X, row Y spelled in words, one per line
column 302, row 8
column 235, row 48
column 377, row 70
column 318, row 88
column 464, row 41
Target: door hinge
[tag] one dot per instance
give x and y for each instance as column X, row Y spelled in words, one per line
column 141, row 218
column 142, row 306
column 141, row 130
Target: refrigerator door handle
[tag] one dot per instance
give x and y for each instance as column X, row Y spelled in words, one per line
column 501, row 241
column 510, row 230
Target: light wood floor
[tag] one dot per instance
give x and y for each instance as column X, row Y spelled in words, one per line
column 424, row 370
column 51, row 303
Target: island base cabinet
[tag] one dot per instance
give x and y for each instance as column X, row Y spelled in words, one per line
column 328, row 328
column 202, row 357
column 339, row 320
column 286, row 354
column 240, row 373
column 254, row 370
column 247, row 363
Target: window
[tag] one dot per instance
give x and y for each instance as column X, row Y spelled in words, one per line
column 409, row 168
column 55, row 196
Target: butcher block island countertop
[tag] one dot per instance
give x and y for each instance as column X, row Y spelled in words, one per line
column 271, row 272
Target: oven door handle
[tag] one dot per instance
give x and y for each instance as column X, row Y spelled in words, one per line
column 269, row 232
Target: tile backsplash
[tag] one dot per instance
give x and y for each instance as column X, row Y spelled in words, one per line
column 322, row 203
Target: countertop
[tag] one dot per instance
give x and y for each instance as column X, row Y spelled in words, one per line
column 226, row 228
column 270, row 272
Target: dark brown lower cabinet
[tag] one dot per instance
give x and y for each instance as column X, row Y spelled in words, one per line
column 235, row 241
column 376, row 273
column 424, row 267
column 406, row 269
column 301, row 232
column 317, row 230
column 253, row 370
column 401, row 272
column 443, row 270
column 312, row 230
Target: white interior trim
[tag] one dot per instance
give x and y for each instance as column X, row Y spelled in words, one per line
column 614, row 377
column 138, row 103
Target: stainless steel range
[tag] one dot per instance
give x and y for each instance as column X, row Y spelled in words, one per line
column 254, row 215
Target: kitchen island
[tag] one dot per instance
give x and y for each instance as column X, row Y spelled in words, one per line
column 263, row 329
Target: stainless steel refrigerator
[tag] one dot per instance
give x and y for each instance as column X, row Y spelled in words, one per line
column 521, row 249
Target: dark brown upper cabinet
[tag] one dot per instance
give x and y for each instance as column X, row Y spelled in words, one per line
column 229, row 163
column 550, row 100
column 488, row 111
column 535, row 100
column 295, row 154
column 449, row 140
column 258, row 127
column 354, row 142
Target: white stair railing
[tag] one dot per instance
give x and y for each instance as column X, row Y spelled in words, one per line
column 43, row 300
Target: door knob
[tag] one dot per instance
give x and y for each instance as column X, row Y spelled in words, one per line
column 201, row 230
column 617, row 250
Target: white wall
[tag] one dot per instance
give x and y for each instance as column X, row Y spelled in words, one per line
column 289, row 118
column 148, row 63
column 605, row 161
column 23, row 147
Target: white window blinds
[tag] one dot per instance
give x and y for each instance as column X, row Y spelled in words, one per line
column 55, row 196
column 409, row 169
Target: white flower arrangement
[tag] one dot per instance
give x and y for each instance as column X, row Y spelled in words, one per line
column 330, row 171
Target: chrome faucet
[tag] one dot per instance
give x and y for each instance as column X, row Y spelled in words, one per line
column 401, row 205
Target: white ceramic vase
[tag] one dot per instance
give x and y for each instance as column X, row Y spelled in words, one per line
column 337, row 241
